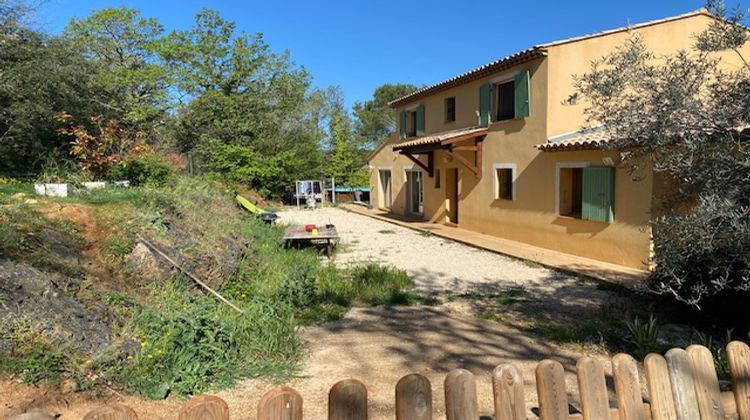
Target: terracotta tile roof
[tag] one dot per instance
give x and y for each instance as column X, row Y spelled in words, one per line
column 592, row 138
column 523, row 57
column 438, row 138
column 477, row 73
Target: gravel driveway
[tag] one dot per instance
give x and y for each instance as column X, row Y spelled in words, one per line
column 439, row 265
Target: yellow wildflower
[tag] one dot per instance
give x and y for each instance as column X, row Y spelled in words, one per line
column 144, row 344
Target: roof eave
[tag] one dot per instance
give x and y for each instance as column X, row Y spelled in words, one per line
column 478, row 73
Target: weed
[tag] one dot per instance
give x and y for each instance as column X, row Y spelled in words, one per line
column 644, row 336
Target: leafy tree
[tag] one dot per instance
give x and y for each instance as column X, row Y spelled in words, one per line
column 247, row 103
column 123, row 45
column 39, row 76
column 686, row 116
column 375, row 118
column 345, row 160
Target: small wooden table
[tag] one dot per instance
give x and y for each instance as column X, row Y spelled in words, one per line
column 298, row 234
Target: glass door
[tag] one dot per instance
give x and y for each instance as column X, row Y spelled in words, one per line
column 416, row 192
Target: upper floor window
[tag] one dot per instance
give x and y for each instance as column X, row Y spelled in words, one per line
column 412, row 122
column 505, row 101
column 450, row 109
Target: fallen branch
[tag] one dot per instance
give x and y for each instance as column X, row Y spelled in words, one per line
column 189, row 274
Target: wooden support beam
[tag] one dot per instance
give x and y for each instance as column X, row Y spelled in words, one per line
column 429, row 167
column 478, row 144
column 465, row 148
column 464, row 161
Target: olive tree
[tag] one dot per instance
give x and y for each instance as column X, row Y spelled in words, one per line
column 685, row 116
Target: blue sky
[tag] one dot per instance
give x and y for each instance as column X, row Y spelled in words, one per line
column 359, row 45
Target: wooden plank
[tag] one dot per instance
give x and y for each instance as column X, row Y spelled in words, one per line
column 465, row 162
column 347, row 400
column 507, row 389
column 738, row 354
column 550, row 388
column 478, row 159
column 205, row 407
column 465, row 149
column 107, row 412
column 413, row 398
column 659, row 388
column 461, row 396
column 683, row 386
column 707, row 391
column 627, row 387
column 281, row 403
column 427, row 168
column 592, row 388
column 33, row 416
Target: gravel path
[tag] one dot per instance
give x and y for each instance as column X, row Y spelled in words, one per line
column 440, row 265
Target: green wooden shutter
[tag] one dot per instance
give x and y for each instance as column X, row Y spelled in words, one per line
column 522, row 99
column 420, row 120
column 485, row 95
column 598, row 193
column 402, row 125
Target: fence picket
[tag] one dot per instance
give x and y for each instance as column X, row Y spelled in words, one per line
column 706, row 381
column 33, row 416
column 206, row 407
column 507, row 389
column 414, row 398
column 112, row 412
column 461, row 396
column 738, row 354
column 347, row 400
column 550, row 388
column 627, row 387
column 592, row 388
column 659, row 388
column 683, row 386
column 281, row 403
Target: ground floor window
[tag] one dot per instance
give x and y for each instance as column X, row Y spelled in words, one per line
column 586, row 192
column 504, row 181
column 415, row 190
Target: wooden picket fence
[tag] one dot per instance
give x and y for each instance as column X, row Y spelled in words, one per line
column 681, row 385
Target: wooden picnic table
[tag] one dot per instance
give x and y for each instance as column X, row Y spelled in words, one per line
column 325, row 234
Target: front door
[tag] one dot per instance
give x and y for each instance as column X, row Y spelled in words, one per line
column 415, row 191
column 451, row 194
column 385, row 198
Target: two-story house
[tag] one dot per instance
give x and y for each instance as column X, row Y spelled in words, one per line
column 500, row 150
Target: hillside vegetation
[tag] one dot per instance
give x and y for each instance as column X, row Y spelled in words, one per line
column 85, row 301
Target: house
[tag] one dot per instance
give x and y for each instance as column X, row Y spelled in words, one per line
column 500, row 150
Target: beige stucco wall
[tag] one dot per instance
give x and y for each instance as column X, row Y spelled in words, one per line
column 532, row 216
column 574, row 58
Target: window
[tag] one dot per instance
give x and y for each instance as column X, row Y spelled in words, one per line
column 504, row 101
column 450, row 109
column 504, row 181
column 586, row 192
column 437, row 178
column 411, row 123
column 571, row 192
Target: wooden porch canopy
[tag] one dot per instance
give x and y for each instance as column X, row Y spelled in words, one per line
column 427, row 145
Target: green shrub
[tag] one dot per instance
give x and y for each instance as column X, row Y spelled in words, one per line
column 381, row 285
column 149, row 170
column 644, row 336
column 191, row 343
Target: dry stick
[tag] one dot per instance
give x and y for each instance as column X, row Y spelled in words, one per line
column 189, row 274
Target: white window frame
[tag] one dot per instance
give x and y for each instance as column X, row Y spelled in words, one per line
column 513, row 176
column 558, row 167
